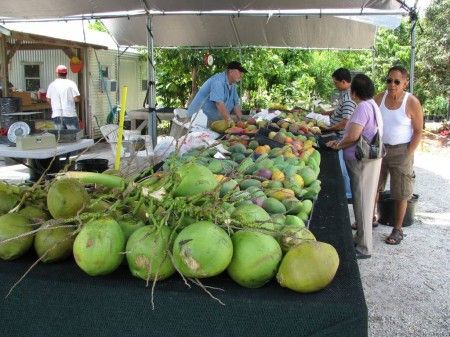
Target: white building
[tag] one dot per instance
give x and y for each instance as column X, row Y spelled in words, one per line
column 105, row 70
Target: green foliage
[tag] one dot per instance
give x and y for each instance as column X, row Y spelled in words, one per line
column 293, row 77
column 98, row 26
column 431, row 80
column 436, row 106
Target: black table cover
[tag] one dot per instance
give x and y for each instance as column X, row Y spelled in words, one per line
column 60, row 300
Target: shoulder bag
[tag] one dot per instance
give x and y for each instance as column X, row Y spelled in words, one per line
column 370, row 150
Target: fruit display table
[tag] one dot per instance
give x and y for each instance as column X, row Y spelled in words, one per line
column 60, row 300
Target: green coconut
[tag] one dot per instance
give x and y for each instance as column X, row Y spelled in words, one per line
column 12, row 225
column 255, row 258
column 98, row 248
column 308, row 267
column 7, row 201
column 66, row 197
column 34, row 213
column 202, row 249
column 194, row 179
column 53, row 243
column 148, row 253
column 129, row 225
column 293, row 235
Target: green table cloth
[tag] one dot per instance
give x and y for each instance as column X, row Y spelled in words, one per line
column 60, row 300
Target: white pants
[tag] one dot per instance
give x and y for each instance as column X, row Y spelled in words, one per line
column 364, row 177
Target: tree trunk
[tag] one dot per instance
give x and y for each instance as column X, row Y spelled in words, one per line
column 194, row 87
column 448, row 109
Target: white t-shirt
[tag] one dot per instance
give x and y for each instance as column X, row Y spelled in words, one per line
column 61, row 93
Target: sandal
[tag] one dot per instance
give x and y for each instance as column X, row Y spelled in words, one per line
column 395, row 238
column 374, row 223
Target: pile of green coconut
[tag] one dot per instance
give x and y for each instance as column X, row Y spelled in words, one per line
column 179, row 221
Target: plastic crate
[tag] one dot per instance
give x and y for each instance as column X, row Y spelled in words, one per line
column 262, row 138
column 67, row 136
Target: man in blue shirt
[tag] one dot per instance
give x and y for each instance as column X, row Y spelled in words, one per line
column 218, row 96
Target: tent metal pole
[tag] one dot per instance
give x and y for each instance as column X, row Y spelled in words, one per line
column 151, row 121
column 412, row 57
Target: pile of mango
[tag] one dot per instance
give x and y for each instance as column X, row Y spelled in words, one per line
column 275, row 179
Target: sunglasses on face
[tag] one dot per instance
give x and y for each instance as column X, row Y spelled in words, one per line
column 390, row 80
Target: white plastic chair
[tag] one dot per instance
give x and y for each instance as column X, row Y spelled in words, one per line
column 111, row 134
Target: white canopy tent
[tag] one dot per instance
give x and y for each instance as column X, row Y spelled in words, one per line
column 229, row 31
column 169, row 23
column 48, row 9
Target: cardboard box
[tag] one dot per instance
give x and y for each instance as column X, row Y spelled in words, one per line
column 24, row 96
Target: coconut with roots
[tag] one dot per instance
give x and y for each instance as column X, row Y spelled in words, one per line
column 202, row 249
column 66, row 197
column 148, row 251
column 255, row 258
column 14, row 241
column 98, row 248
column 54, row 242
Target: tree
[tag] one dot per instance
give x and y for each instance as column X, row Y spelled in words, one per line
column 433, row 59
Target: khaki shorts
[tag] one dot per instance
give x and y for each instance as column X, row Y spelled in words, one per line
column 399, row 164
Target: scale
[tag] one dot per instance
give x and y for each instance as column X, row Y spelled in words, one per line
column 18, row 129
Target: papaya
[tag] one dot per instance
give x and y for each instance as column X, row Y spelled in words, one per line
column 237, row 148
column 228, row 186
column 292, row 220
column 278, row 219
column 237, row 157
column 246, row 183
column 293, row 235
column 245, row 165
column 251, row 213
column 274, row 184
column 238, row 196
column 308, row 175
column 253, row 144
column 306, row 206
column 278, row 175
column 273, row 206
column 281, row 193
column 293, row 205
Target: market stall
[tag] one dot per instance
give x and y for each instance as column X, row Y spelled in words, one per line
column 59, row 299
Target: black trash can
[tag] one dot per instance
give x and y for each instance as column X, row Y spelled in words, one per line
column 98, row 165
column 387, row 209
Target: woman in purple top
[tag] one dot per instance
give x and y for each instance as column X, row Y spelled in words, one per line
column 366, row 120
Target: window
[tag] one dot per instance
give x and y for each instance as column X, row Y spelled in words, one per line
column 32, row 77
column 103, row 77
column 144, row 85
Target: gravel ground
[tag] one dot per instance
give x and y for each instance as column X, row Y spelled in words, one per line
column 407, row 287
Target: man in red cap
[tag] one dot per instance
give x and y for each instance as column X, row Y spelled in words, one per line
column 62, row 94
